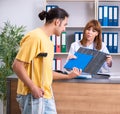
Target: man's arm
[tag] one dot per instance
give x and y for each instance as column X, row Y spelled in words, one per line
column 19, row 69
column 75, row 72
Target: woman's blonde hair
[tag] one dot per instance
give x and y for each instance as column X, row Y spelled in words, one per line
column 98, row 39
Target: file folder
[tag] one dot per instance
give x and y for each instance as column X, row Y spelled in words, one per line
column 58, row 44
column 53, row 39
column 80, row 62
column 81, row 35
column 110, row 15
column 89, row 60
column 76, row 36
column 48, row 7
column 115, row 15
column 105, row 16
column 63, row 42
column 54, row 64
column 110, row 42
column 58, row 63
column 100, row 15
column 115, row 43
column 105, row 38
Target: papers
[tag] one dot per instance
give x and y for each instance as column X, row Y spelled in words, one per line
column 80, row 62
column 84, row 76
column 89, row 60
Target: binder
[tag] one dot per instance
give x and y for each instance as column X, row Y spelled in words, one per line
column 105, row 38
column 115, row 43
column 53, row 39
column 54, row 64
column 110, row 42
column 100, row 15
column 81, row 35
column 115, row 15
column 48, row 7
column 89, row 60
column 54, row 6
column 76, row 36
column 110, row 15
column 105, row 16
column 63, row 42
column 58, row 64
column 58, row 44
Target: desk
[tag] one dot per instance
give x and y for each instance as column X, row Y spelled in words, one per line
column 76, row 96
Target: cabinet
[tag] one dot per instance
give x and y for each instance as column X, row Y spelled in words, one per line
column 86, row 98
column 81, row 11
column 76, row 96
column 12, row 105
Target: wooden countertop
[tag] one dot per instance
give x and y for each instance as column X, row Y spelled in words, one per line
column 114, row 79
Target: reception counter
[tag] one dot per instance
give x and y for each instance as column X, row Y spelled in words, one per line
column 76, row 96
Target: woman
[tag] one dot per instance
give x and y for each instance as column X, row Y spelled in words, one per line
column 92, row 39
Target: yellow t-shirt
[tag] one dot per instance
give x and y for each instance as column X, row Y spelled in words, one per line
column 31, row 45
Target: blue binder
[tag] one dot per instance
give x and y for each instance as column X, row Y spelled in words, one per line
column 105, row 16
column 105, row 38
column 53, row 39
column 110, row 15
column 76, row 36
column 80, row 62
column 100, row 15
column 110, row 42
column 115, row 15
column 48, row 7
column 115, row 43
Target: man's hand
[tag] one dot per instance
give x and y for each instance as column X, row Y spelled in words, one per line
column 75, row 72
column 37, row 92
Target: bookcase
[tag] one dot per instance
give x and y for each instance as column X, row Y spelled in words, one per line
column 81, row 11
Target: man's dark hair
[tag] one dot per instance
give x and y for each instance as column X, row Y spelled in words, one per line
column 54, row 13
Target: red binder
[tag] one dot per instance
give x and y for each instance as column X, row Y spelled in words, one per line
column 58, row 44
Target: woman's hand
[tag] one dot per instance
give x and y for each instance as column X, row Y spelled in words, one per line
column 71, row 57
column 109, row 60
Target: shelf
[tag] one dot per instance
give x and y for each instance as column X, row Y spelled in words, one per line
column 82, row 0
column 109, row 0
column 115, row 54
column 111, row 27
column 67, row 53
column 104, row 27
column 61, row 53
column 75, row 27
column 70, row 0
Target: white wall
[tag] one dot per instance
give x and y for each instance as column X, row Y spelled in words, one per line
column 21, row 12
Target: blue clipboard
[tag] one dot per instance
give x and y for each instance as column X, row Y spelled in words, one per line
column 80, row 62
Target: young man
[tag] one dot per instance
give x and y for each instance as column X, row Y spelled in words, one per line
column 35, row 74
